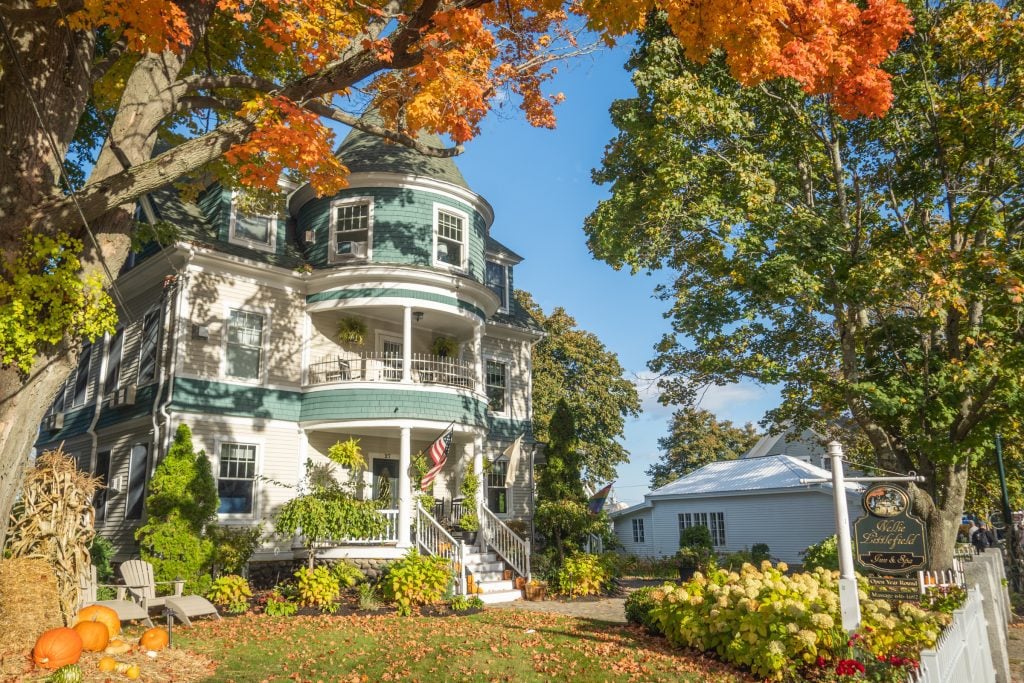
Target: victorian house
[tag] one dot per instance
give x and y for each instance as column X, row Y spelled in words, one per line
column 383, row 313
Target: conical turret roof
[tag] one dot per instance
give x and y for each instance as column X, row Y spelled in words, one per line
column 362, row 153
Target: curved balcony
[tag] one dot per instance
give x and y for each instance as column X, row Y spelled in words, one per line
column 375, row 366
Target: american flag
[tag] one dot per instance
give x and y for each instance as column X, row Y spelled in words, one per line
column 438, row 455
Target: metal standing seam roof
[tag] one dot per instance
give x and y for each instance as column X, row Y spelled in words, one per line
column 747, row 474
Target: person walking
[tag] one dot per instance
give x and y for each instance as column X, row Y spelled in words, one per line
column 983, row 538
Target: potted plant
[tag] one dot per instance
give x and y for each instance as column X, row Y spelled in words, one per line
column 695, row 551
column 446, row 347
column 351, row 330
column 536, row 590
column 469, row 522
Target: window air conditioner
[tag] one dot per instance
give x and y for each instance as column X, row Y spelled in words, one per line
column 125, row 396
column 350, row 249
column 53, row 422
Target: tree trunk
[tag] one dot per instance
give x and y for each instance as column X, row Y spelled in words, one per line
column 942, row 517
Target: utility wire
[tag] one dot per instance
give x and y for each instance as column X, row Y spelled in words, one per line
column 60, row 163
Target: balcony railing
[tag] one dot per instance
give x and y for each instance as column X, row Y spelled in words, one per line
column 387, row 367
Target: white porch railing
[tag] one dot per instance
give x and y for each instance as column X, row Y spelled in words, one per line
column 390, row 534
column 432, row 539
column 962, row 652
column 372, row 366
column 505, row 542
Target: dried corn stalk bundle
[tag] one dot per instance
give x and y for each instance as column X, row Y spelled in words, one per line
column 54, row 521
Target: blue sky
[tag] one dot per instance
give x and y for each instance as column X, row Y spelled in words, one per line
column 539, row 184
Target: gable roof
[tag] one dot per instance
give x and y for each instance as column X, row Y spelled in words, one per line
column 747, row 474
column 807, row 442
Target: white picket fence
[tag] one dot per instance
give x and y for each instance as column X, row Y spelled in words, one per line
column 962, row 651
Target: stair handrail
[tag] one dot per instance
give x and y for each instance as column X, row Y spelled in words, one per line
column 506, row 543
column 434, row 539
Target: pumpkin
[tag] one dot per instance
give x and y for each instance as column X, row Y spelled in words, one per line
column 103, row 615
column 94, row 635
column 118, row 647
column 154, row 639
column 69, row 673
column 57, row 647
column 107, row 664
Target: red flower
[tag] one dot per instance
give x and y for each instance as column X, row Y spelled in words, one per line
column 849, row 667
column 820, row 662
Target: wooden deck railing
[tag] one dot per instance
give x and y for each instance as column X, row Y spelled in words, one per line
column 432, row 539
column 505, row 542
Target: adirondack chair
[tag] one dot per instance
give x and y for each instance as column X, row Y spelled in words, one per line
column 138, row 579
column 126, row 609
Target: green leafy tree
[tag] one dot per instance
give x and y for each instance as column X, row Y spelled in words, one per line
column 571, row 365
column 871, row 268
column 326, row 510
column 181, row 509
column 696, row 437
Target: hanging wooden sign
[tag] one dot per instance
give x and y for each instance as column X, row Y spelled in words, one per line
column 888, row 539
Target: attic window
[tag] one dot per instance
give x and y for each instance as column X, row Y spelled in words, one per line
column 255, row 232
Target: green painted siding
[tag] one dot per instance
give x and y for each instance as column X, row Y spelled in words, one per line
column 215, row 203
column 144, row 397
column 216, row 398
column 403, row 224
column 504, row 429
column 191, row 395
column 75, row 422
column 364, row 292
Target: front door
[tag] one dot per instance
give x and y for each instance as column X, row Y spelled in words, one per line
column 385, row 482
column 391, row 348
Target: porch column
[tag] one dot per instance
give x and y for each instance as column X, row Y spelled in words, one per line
column 404, row 492
column 478, row 356
column 407, row 344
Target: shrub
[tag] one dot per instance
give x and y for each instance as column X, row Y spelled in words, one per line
column 233, row 546
column 280, row 606
column 824, row 554
column 475, row 602
column 760, row 552
column 101, row 551
column 181, row 505
column 317, row 588
column 459, row 603
column 348, row 575
column 638, row 608
column 584, row 574
column 778, row 626
column 416, row 580
column 368, row 599
column 647, row 567
column 231, row 592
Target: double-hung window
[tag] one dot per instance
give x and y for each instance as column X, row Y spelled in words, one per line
column 497, row 492
column 236, row 479
column 250, row 230
column 351, row 228
column 450, row 237
column 497, row 282
column 638, row 531
column 497, row 386
column 244, row 351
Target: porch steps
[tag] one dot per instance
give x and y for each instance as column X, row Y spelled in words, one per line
column 487, row 569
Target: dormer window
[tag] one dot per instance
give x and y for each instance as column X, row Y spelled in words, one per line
column 351, row 228
column 449, row 237
column 250, row 230
column 497, row 282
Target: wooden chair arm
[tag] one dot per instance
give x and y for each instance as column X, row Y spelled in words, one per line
column 119, row 587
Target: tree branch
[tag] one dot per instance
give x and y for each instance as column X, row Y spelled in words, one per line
column 335, row 114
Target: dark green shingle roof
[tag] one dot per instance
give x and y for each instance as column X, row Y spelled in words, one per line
column 365, row 153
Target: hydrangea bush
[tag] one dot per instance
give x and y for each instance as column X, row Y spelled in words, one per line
column 784, row 627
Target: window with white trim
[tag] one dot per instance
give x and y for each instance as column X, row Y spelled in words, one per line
column 351, row 228
column 497, row 281
column 497, row 492
column 450, row 238
column 236, row 479
column 638, row 531
column 244, row 350
column 714, row 521
column 250, row 230
column 497, row 386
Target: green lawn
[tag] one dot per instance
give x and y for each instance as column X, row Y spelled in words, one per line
column 496, row 645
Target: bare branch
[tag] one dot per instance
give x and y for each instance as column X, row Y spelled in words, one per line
column 335, row 114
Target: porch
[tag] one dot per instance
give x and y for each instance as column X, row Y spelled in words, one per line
column 382, row 366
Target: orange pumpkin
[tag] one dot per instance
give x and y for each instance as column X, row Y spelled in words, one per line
column 154, row 639
column 94, row 635
column 107, row 664
column 57, row 647
column 103, row 615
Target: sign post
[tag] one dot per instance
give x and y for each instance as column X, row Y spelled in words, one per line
column 849, row 603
